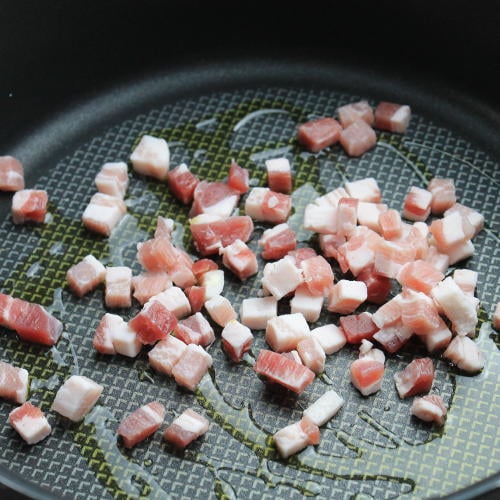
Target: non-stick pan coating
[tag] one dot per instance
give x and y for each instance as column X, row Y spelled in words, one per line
column 373, row 447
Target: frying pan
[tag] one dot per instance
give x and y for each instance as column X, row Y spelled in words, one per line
column 211, row 109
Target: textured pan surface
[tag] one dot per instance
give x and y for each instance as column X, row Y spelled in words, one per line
column 372, row 448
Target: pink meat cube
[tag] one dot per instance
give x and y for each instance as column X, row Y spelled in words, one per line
column 389, row 313
column 202, row 266
column 103, row 213
column 390, row 224
column 281, row 277
column 11, row 174
column 329, row 244
column 165, row 354
column 239, row 259
column 30, row 423
column 29, row 205
column 141, row 423
column 438, row 338
column 437, row 260
column 318, row 275
column 220, row 310
column 86, row 275
column 113, row 335
column 214, row 198
column 330, row 337
column 196, row 297
column 236, row 339
column 318, row 134
column 312, row 354
column 367, row 375
column 419, row 276
column 393, row 338
column 377, row 287
column 356, row 111
column 164, row 227
column 192, row 366
column 357, row 138
column 466, row 279
column 277, row 242
column 364, row 190
column 324, row 408
column 346, row 296
column 279, row 175
column 320, row 219
column 464, row 353
column 473, row 216
column 294, row 438
column 416, row 378
column 195, row 330
column 357, row 327
column 332, row 198
column 182, row 183
column 238, row 178
column 212, row 283
column 154, row 322
column 284, row 332
column 451, row 231
column 368, row 214
column 347, row 216
column 255, row 312
column 306, row 303
column 118, row 286
column 186, row 428
column 392, row 117
column 14, row 383
column 148, row 284
column 158, row 254
column 429, row 408
column 418, row 312
column 112, row 179
column 443, row 194
column 417, row 204
column 175, row 301
column 268, row 206
column 151, row 157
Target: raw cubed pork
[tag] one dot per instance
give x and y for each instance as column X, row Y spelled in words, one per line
column 118, row 286
column 141, row 423
column 281, row 277
column 214, row 198
column 377, row 287
column 473, row 216
column 103, row 213
column 356, row 111
column 420, row 276
column 330, row 337
column 202, row 266
column 417, row 204
column 269, row 206
column 154, row 322
column 213, row 283
column 239, row 259
column 151, row 157
column 256, row 311
column 284, row 332
column 464, row 353
column 113, row 335
column 196, row 297
column 357, row 138
column 320, row 219
column 277, row 241
column 390, row 224
column 186, row 428
column 306, row 303
column 279, row 175
column 347, row 216
column 192, row 366
column 312, row 354
column 318, row 275
column 29, row 205
column 11, row 174
column 364, row 190
column 451, row 231
column 238, row 178
column 324, row 408
column 392, row 117
column 294, row 438
column 346, row 296
column 195, row 330
column 166, row 353
column 13, row 382
column 357, row 327
column 236, row 339
column 416, row 378
column 86, row 275
column 318, row 134
column 175, row 301
column 220, row 310
column 466, row 279
column 182, row 183
column 368, row 214
column 112, row 179
column 443, row 194
column 429, row 408
column 30, row 423
column 367, row 375
column 148, row 284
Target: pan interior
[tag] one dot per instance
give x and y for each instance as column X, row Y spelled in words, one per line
column 372, row 448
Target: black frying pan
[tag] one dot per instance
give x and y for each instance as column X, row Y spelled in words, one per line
column 372, row 448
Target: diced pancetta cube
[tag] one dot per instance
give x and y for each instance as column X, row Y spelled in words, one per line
column 366, row 375
column 181, row 274
column 175, row 301
column 417, row 204
column 357, row 327
column 390, row 224
column 86, row 275
column 473, row 216
column 195, row 330
column 457, row 306
column 76, row 397
column 464, row 353
column 418, row 312
column 220, row 310
column 284, row 371
column 30, row 321
column 330, row 337
column 329, row 244
column 332, row 198
column 196, row 297
column 256, row 311
column 281, row 277
column 450, row 231
column 151, row 157
column 279, row 175
column 201, row 266
column 377, row 287
column 439, row 261
column 157, row 254
column 30, row 423
column 496, row 317
column 166, row 353
column 239, row 259
column 466, row 279
column 29, row 205
column 390, row 256
column 182, row 183
column 294, row 438
column 186, row 428
column 13, row 383
column 429, row 408
column 416, row 378
column 118, row 287
column 324, row 408
column 318, row 134
column 346, row 296
column 284, row 332
column 306, row 303
column 211, row 233
column 389, row 313
column 393, row 338
column 214, row 198
column 192, row 366
column 236, row 339
column 320, row 219
column 350, row 113
column 438, row 338
column 301, row 254
column 154, row 322
column 419, row 276
column 103, row 213
column 238, row 178
column 368, row 214
column 213, row 283
column 347, row 216
column 318, row 275
column 103, row 336
column 460, row 252
column 112, row 179
column 11, row 174
column 141, row 423
column 364, row 190
column 357, row 138
column 392, row 117
column 148, row 284
column 312, row 354
column 269, row 206
column 443, row 194
column 277, row 242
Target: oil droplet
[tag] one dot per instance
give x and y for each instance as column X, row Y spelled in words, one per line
column 57, row 356
column 34, row 270
column 146, row 204
column 51, row 383
column 148, row 462
column 57, row 305
column 255, row 114
column 56, row 248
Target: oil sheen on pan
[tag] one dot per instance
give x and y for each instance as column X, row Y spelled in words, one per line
column 372, row 448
